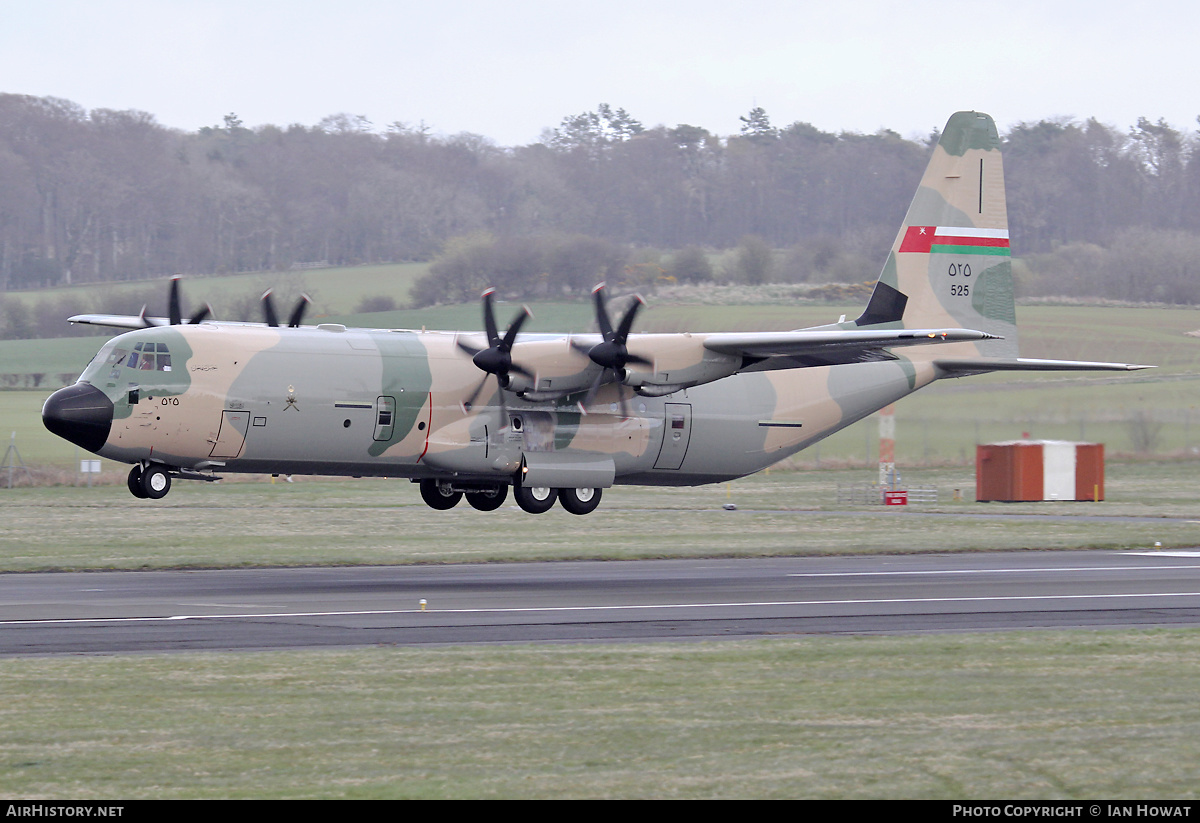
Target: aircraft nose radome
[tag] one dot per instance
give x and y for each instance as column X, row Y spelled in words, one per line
column 81, row 414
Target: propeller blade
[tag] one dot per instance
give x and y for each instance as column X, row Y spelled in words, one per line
column 268, row 308
column 601, row 311
column 470, row 401
column 145, row 320
column 298, row 313
column 489, row 318
column 199, row 316
column 471, row 350
column 627, row 320
column 591, row 395
column 174, row 314
column 514, row 327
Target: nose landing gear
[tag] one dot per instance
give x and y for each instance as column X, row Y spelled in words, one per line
column 150, row 482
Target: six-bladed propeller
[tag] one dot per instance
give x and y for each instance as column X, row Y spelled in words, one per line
column 611, row 354
column 496, row 359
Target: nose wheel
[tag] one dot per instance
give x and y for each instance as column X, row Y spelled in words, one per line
column 149, row 483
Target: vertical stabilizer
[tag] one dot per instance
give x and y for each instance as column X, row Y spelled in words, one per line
column 950, row 265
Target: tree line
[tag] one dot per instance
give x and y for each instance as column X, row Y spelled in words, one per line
column 106, row 195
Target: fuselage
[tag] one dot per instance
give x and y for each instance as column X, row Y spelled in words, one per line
column 398, row 403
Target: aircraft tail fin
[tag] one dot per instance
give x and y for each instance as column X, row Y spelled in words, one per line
column 949, row 266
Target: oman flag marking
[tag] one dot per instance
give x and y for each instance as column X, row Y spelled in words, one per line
column 954, row 240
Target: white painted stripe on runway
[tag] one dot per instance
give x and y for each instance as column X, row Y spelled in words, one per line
column 1169, row 553
column 559, row 609
column 996, row 571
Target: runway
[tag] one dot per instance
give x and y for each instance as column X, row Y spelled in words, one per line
column 117, row 612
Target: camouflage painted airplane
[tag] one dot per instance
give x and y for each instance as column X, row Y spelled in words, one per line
column 559, row 417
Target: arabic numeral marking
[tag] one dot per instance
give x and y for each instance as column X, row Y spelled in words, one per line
column 170, row 401
column 960, row 270
column 960, row 291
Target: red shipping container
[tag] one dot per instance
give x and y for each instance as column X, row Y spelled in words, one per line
column 1025, row 470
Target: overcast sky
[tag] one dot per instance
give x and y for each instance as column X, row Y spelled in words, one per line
column 507, row 69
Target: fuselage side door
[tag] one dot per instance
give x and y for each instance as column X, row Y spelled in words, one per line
column 385, row 418
column 232, row 435
column 677, row 432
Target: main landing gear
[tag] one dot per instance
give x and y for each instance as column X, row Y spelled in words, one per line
column 442, row 495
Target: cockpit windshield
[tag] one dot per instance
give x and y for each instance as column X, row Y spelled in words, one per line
column 144, row 356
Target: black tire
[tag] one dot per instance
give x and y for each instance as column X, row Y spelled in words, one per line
column 154, row 483
column 489, row 500
column 579, row 501
column 536, row 499
column 135, row 482
column 438, row 495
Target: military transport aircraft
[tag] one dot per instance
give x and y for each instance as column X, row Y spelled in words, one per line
column 559, row 417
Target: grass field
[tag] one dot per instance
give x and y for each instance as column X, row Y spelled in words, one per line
column 965, row 717
column 259, row 522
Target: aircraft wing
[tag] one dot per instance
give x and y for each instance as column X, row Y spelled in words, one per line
column 122, row 321
column 827, row 347
column 117, row 321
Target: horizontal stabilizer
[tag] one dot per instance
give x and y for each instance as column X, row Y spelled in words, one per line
column 847, row 342
column 979, row 365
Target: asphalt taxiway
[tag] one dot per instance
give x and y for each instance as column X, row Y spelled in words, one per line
column 154, row 611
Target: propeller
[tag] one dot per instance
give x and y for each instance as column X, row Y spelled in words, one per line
column 612, row 354
column 294, row 318
column 496, row 359
column 174, row 313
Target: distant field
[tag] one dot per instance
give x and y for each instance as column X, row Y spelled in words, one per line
column 333, row 290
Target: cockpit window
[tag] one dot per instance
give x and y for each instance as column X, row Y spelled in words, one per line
column 150, row 357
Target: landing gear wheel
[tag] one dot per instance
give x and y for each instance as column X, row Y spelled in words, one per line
column 439, row 495
column 135, row 482
column 154, row 482
column 535, row 499
column 579, row 501
column 488, row 500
